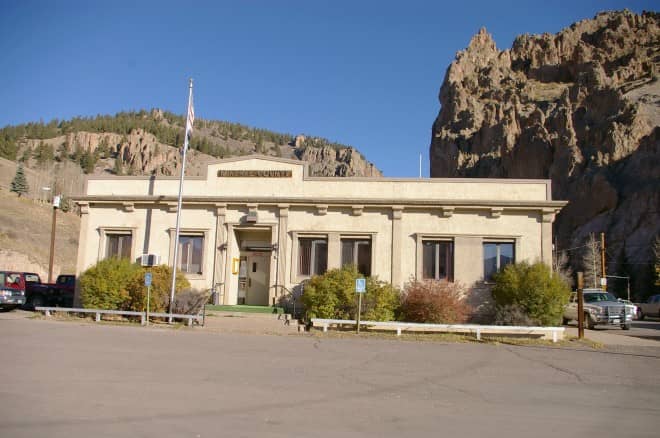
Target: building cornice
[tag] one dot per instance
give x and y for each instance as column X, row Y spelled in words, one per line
column 447, row 205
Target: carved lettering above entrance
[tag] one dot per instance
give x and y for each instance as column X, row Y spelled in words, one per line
column 254, row 173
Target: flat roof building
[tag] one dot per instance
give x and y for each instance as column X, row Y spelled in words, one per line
column 253, row 224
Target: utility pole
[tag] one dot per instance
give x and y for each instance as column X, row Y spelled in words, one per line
column 602, row 261
column 56, row 204
column 580, row 300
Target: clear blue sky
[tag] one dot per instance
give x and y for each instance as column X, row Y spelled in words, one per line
column 364, row 73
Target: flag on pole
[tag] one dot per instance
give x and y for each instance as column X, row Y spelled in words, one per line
column 191, row 118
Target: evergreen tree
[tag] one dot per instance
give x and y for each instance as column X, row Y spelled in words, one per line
column 119, row 167
column 19, row 184
column 87, row 162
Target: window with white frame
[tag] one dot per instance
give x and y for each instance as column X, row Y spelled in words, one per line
column 190, row 253
column 118, row 244
column 438, row 260
column 357, row 252
column 312, row 256
column 496, row 256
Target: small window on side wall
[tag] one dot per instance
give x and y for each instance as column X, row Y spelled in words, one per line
column 312, row 256
column 496, row 256
column 438, row 260
column 118, row 245
column 357, row 252
column 190, row 254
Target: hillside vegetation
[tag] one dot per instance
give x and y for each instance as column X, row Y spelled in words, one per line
column 25, row 226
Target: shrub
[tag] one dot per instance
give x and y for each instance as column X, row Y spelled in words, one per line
column 513, row 314
column 161, row 286
column 539, row 292
column 436, row 302
column 190, row 301
column 103, row 286
column 332, row 295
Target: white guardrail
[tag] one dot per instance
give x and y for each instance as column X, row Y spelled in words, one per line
column 554, row 333
column 98, row 312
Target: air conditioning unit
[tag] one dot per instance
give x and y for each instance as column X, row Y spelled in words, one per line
column 150, row 260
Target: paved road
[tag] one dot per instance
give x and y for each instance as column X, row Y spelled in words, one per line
column 68, row 379
column 645, row 332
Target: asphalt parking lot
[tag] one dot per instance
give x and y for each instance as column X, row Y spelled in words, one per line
column 648, row 329
column 71, row 379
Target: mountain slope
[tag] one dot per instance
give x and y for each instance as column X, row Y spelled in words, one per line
column 148, row 142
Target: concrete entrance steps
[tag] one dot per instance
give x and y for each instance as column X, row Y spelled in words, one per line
column 255, row 323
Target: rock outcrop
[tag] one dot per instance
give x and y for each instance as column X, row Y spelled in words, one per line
column 329, row 161
column 581, row 107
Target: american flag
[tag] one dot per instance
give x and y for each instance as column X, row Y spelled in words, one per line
column 191, row 118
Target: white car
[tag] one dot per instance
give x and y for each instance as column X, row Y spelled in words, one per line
column 630, row 306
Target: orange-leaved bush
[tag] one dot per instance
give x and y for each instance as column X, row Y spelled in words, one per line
column 434, row 301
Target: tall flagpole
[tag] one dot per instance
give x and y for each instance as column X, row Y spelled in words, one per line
column 189, row 122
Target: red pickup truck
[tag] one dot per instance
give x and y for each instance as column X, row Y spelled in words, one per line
column 36, row 294
column 12, row 290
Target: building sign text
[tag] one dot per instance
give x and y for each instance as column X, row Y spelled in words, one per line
column 254, row 173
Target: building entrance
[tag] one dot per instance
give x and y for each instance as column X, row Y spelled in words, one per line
column 258, row 264
column 254, row 273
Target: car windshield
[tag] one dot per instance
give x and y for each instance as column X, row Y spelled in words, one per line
column 598, row 296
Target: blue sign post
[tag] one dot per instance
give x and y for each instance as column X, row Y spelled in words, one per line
column 360, row 289
column 147, row 282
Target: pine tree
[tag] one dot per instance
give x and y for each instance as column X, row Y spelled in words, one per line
column 19, row 184
column 119, row 167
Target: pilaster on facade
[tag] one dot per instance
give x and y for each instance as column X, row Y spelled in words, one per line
column 221, row 210
column 283, row 210
column 397, row 214
column 282, row 239
column 397, row 211
column 547, row 216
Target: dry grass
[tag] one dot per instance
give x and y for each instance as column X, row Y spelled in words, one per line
column 455, row 338
column 25, row 227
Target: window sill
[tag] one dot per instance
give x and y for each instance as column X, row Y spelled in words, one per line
column 194, row 276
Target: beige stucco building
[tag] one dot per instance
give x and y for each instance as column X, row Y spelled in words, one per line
column 254, row 223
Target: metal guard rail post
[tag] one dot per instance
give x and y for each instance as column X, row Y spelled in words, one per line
column 478, row 330
column 98, row 312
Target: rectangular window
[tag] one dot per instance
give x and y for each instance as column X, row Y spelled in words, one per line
column 438, row 260
column 496, row 256
column 118, row 245
column 312, row 256
column 190, row 254
column 357, row 252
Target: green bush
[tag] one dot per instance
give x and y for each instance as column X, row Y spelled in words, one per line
column 539, row 292
column 118, row 284
column 161, row 287
column 332, row 295
column 434, row 302
column 103, row 286
column 513, row 314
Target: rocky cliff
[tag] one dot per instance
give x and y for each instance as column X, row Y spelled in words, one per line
column 581, row 107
